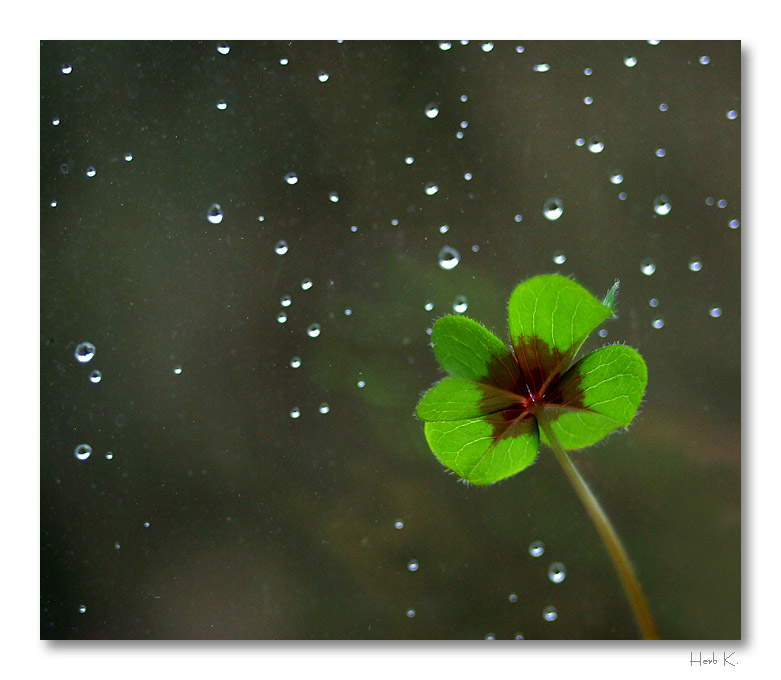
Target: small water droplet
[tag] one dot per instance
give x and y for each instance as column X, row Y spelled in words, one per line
column 324, row 408
column 520, row 49
column 280, row 248
column 616, row 177
column 460, row 304
column 715, row 312
column 291, row 178
column 662, row 205
column 467, row 176
column 222, row 104
column 306, row 284
column 281, row 317
column 361, row 384
column 559, row 257
column 549, row 613
column 695, row 264
column 348, row 312
column 95, row 377
column 553, row 208
column 490, row 636
column 322, row 76
column 512, row 597
column 410, row 613
column 557, row 572
column 313, row 330
column 658, row 323
column 653, row 302
column 648, row 267
column 399, row 524
column 541, row 68
column 284, row 61
column 602, row 333
column 432, row 110
column 448, row 257
column 734, row 224
column 431, row 188
column 84, row 352
column 660, row 153
column 214, row 215
column 663, row 107
column 223, row 48
column 177, row 370
column 409, row 160
column 117, row 546
column 128, row 157
column 595, row 145
column 732, row 114
column 519, row 636
column 587, row 71
column 66, row 69
column 64, row 168
column 91, row 172
column 630, row 61
column 588, row 101
column 285, row 301
column 445, row 46
column 295, row 412
column 704, row 59
column 413, row 565
column 109, row 455
column 721, row 203
column 82, row 609
column 83, row 451
column 536, row 548
column 295, row 362
column 428, row 306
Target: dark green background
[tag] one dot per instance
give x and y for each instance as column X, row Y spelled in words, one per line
column 264, row 526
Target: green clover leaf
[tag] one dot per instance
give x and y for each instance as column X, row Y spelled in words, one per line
column 483, row 421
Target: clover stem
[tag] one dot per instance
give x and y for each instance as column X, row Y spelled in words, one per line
column 608, row 534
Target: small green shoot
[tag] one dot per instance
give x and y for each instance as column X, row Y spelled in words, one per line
column 486, row 419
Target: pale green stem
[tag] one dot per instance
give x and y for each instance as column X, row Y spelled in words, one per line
column 608, row 534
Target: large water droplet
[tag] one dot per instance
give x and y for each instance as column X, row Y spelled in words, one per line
column 322, row 76
column 91, row 172
column 431, row 188
column 432, row 110
column 280, row 248
column 223, row 48
column 306, row 284
column 595, row 145
column 222, row 104
column 553, row 208
column 295, row 412
column 557, row 572
column 84, row 352
column 313, row 330
column 83, row 451
column 448, row 257
column 662, row 205
column 214, row 215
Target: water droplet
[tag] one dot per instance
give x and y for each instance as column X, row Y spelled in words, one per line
column 653, row 302
column 536, row 548
column 695, row 264
column 520, row 49
column 519, row 636
column 490, row 636
column 660, row 153
column 732, row 114
column 587, row 71
column 704, row 59
column 280, row 248
column 282, row 317
column 553, row 208
column 658, row 323
column 409, row 160
column 410, row 612
column 313, row 330
column 95, row 377
column 431, row 188
column 399, row 524
column 432, row 110
column 222, row 104
column 284, row 61
column 285, row 301
column 559, row 257
column 84, row 352
column 215, row 214
column 715, row 312
column 541, row 68
column 348, row 312
column 128, row 157
column 445, row 46
column 177, row 370
column 91, row 172
column 487, row 46
column 595, row 145
column 663, row 107
column 117, row 546
column 324, row 408
column 361, row 384
column 82, row 609
column 467, row 176
column 223, row 48
column 64, row 168
column 734, row 224
column 549, row 613
column 616, row 177
column 291, row 178
column 518, row 218
column 648, row 267
column 654, row 42
column 306, row 284
column 322, row 76
column 512, row 597
column 83, row 451
column 460, row 304
column 146, row 525
column 721, row 203
column 109, row 455
column 630, row 61
column 662, row 205
column 66, row 69
column 428, row 306
column 588, row 101
column 602, row 333
column 448, row 257
column 295, row 362
column 53, row 204
column 295, row 412
column 413, row 565
column 557, row 572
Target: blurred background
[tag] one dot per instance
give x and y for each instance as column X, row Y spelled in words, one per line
column 243, row 249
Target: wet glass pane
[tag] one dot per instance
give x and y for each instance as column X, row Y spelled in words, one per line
column 244, row 246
